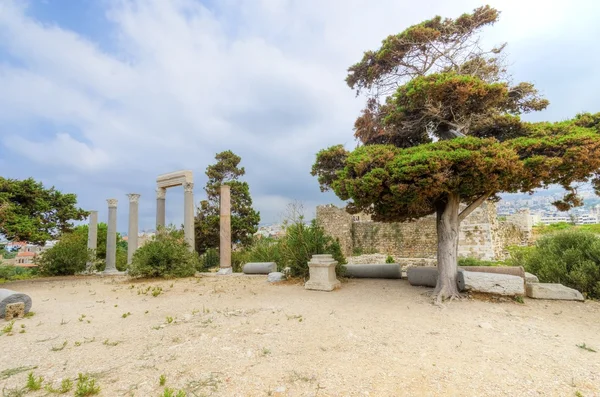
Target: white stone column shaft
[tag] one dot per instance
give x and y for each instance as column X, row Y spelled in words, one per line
column 92, row 235
column 111, row 237
column 132, row 232
column 225, row 228
column 188, row 214
column 161, row 195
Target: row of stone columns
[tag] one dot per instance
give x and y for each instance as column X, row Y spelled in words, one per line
column 132, row 243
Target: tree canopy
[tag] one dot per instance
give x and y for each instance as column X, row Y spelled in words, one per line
column 442, row 127
column 244, row 219
column 30, row 212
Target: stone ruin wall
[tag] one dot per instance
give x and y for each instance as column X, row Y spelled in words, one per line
column 481, row 235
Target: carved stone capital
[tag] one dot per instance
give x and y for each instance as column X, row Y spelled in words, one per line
column 112, row 203
column 188, row 187
column 161, row 193
column 133, row 197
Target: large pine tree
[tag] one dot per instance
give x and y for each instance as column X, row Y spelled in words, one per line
column 442, row 128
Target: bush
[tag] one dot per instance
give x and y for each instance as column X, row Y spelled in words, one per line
column 301, row 242
column 14, row 273
column 570, row 257
column 389, row 259
column 209, row 259
column 264, row 250
column 67, row 257
column 166, row 255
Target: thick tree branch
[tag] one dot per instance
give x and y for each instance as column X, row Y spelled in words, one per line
column 467, row 211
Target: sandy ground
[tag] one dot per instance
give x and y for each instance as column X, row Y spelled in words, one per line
column 240, row 336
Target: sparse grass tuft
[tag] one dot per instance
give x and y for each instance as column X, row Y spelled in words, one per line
column 585, row 347
column 518, row 299
column 8, row 328
column 171, row 393
column 29, row 314
column 86, row 386
column 108, row 343
column 125, row 315
column 34, row 384
column 65, row 386
column 169, row 319
column 156, row 291
column 265, row 351
column 162, row 380
column 7, row 373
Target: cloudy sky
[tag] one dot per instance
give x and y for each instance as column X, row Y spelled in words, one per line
column 97, row 97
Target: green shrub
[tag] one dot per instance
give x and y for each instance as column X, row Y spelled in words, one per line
column 209, row 259
column 470, row 261
column 553, row 227
column 570, row 257
column 301, row 242
column 264, row 250
column 67, row 257
column 166, row 255
column 14, row 273
column 389, row 259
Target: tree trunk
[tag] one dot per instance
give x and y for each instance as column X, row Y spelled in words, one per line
column 447, row 252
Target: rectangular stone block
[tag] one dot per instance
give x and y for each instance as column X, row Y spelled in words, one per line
column 322, row 273
column 553, row 291
column 491, row 283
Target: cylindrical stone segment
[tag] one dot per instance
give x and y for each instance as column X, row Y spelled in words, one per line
column 188, row 214
column 92, row 235
column 111, row 237
column 161, row 195
column 132, row 232
column 225, row 228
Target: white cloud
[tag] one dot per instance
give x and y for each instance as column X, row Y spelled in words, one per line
column 263, row 78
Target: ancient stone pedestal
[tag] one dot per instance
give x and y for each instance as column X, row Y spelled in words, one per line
column 322, row 273
column 132, row 232
column 225, row 231
column 111, row 238
column 92, row 237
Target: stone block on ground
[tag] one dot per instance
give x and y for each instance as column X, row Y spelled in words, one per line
column 422, row 276
column 8, row 296
column 381, row 270
column 275, row 277
column 512, row 270
column 491, row 283
column 553, row 291
column 322, row 273
column 259, row 268
column 531, row 278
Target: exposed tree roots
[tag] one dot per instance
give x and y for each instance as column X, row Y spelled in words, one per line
column 445, row 293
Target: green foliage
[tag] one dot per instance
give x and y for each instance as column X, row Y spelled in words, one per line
column 168, row 392
column 34, row 384
column 301, row 242
column 30, row 212
column 569, row 257
column 166, row 255
column 389, row 259
column 209, row 259
column 470, row 261
column 67, row 257
column 14, row 273
column 244, row 219
column 121, row 256
column 65, row 386
column 162, row 380
column 553, row 227
column 265, row 250
column 86, row 386
column 7, row 254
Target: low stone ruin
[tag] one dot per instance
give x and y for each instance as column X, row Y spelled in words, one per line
column 13, row 304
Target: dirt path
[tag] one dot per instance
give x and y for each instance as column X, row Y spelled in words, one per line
column 239, row 336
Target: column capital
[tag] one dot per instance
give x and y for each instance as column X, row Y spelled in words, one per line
column 161, row 193
column 112, row 202
column 133, row 197
column 188, row 187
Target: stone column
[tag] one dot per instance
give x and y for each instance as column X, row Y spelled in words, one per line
column 92, row 237
column 225, row 231
column 132, row 232
column 161, row 195
column 188, row 214
column 111, row 238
